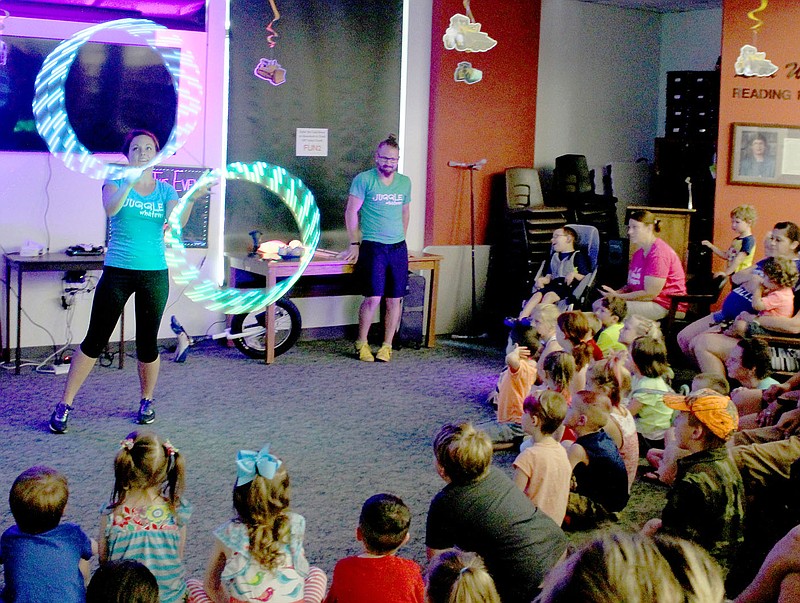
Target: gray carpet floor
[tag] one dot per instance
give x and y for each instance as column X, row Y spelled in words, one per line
column 345, row 429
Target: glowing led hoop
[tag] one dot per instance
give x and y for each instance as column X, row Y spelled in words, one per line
column 294, row 195
column 49, row 101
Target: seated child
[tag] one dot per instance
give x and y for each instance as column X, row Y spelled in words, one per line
column 543, row 471
column 543, row 320
column 611, row 568
column 123, row 581
column 665, row 461
column 147, row 515
column 456, row 576
column 574, row 333
column 750, row 363
column 558, row 373
column 742, row 250
column 639, row 326
column 650, row 370
column 377, row 574
column 514, row 385
column 601, row 481
column 481, row 510
column 43, row 559
column 259, row 555
column 566, row 268
column 611, row 311
column 610, row 377
column 773, row 294
column 706, row 502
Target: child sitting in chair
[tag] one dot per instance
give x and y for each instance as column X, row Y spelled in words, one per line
column 566, row 268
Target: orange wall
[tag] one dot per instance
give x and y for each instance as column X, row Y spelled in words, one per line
column 492, row 119
column 779, row 37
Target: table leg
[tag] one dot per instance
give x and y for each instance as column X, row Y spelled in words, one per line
column 433, row 293
column 269, row 323
column 121, row 363
column 19, row 320
column 7, row 348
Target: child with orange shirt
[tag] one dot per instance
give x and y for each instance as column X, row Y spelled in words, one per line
column 514, row 386
column 543, row 471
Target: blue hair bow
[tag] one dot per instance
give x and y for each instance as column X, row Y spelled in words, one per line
column 249, row 463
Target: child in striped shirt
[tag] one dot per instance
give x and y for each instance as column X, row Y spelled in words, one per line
column 146, row 518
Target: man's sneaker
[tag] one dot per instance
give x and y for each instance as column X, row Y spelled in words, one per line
column 59, row 418
column 363, row 351
column 147, row 414
column 384, row 353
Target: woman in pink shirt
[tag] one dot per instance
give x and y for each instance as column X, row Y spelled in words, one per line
column 655, row 273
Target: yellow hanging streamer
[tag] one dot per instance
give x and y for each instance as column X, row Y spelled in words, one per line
column 275, row 17
column 752, row 15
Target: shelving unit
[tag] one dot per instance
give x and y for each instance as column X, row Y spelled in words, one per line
column 689, row 151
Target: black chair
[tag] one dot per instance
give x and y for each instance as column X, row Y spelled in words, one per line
column 705, row 293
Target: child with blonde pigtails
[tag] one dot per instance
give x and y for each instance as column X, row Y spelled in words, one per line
column 456, row 576
column 574, row 334
column 146, row 518
column 559, row 371
column 258, row 555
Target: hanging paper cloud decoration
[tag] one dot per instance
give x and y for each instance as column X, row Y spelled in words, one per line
column 466, row 36
column 752, row 63
column 466, row 73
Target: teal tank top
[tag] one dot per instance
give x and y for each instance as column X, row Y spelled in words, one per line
column 136, row 231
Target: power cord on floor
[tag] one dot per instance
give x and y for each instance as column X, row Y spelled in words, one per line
column 44, row 366
column 28, row 316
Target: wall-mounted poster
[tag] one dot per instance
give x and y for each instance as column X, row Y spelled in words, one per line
column 765, row 155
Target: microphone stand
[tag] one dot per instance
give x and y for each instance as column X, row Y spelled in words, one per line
column 472, row 167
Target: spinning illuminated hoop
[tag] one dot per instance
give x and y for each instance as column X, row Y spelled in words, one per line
column 49, row 102
column 294, row 195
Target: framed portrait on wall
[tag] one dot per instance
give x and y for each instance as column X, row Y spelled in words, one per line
column 765, row 155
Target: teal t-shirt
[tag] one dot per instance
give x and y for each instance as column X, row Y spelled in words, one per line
column 136, row 231
column 381, row 215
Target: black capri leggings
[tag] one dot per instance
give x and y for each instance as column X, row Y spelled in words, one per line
column 115, row 287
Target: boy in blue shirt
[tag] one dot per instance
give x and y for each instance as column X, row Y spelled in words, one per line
column 742, row 250
column 43, row 559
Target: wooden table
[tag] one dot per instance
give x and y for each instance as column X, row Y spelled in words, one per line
column 326, row 276
column 49, row 262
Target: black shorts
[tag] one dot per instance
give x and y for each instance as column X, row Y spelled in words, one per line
column 382, row 269
column 560, row 287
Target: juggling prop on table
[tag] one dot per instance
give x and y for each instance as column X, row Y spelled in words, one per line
column 294, row 195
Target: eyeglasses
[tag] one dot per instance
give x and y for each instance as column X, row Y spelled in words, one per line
column 388, row 159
